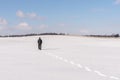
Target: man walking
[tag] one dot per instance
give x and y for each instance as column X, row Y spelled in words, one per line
column 39, row 43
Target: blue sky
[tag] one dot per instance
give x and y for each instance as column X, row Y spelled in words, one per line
column 67, row 16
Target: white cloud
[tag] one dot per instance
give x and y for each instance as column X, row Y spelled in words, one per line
column 117, row 1
column 43, row 26
column 23, row 26
column 20, row 14
column 84, row 31
column 3, row 21
column 64, row 25
column 32, row 15
column 1, row 28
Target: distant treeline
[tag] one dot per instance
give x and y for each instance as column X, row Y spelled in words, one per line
column 32, row 34
column 113, row 35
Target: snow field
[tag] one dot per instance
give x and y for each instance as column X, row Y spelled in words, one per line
column 62, row 58
column 83, row 67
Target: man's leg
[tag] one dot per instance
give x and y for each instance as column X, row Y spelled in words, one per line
column 40, row 47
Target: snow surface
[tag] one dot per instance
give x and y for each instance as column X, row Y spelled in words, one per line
column 62, row 58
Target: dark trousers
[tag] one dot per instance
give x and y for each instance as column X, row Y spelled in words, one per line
column 39, row 46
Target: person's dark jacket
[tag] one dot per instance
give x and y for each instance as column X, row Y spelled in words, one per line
column 39, row 43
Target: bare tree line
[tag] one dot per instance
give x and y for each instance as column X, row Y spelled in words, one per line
column 107, row 36
column 32, row 34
